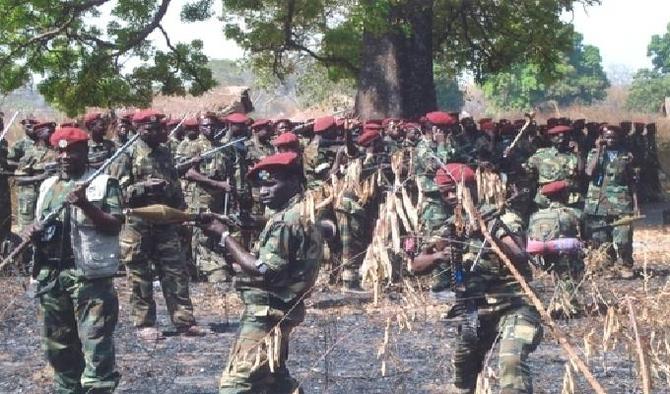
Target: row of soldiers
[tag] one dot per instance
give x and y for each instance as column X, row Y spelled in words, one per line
column 519, row 177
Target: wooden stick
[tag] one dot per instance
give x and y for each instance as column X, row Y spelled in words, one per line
column 562, row 339
column 646, row 384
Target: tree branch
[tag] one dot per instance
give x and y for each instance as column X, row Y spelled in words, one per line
column 141, row 35
column 183, row 62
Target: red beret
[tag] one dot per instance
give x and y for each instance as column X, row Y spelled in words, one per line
column 92, row 117
column 551, row 122
column 560, row 129
column 377, row 121
column 64, row 137
column 285, row 160
column 237, row 118
column 260, row 123
column 323, row 123
column 367, row 137
column 454, row 173
column 554, row 188
column 128, row 116
column 191, row 123
column 439, row 118
column 387, row 121
column 147, row 116
column 485, row 120
column 372, row 126
column 286, row 139
column 409, row 126
column 172, row 122
column 488, row 126
column 68, row 124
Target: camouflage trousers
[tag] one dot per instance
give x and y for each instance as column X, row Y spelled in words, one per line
column 352, row 226
column 143, row 244
column 432, row 215
column 27, row 199
column 621, row 238
column 78, row 335
column 257, row 361
column 208, row 262
column 520, row 332
column 567, row 271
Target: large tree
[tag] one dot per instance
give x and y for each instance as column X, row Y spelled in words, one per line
column 578, row 77
column 387, row 46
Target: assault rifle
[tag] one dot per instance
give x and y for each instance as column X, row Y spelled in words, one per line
column 195, row 160
column 625, row 221
column 51, row 216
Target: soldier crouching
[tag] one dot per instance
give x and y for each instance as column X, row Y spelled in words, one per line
column 273, row 281
column 487, row 295
column 76, row 256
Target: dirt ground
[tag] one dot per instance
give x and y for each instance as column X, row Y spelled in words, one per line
column 336, row 349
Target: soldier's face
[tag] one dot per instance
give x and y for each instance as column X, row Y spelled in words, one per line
column 192, row 133
column 98, row 129
column 283, row 127
column 264, row 133
column 238, row 129
column 277, row 189
column 43, row 134
column 611, row 139
column 152, row 133
column 449, row 195
column 207, row 128
column 72, row 159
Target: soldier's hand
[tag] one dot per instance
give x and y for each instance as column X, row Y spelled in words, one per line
column 191, row 174
column 32, row 231
column 212, row 224
column 77, row 196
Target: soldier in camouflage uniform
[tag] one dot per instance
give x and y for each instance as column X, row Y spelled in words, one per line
column 610, row 196
column 557, row 163
column 489, row 299
column 148, row 176
column 124, row 129
column 100, row 148
column 5, row 195
column 205, row 184
column 318, row 157
column 177, row 133
column 273, row 282
column 431, row 152
column 468, row 140
column 554, row 238
column 35, row 166
column 258, row 147
column 20, row 147
column 75, row 260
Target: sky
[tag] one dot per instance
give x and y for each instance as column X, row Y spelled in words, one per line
column 621, row 29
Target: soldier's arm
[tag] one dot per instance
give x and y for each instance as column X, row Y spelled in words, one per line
column 106, row 216
column 426, row 261
column 201, row 179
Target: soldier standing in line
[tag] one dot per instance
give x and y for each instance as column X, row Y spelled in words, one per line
column 557, row 162
column 176, row 134
column 432, row 152
column 273, row 282
column 288, row 142
column 258, row 147
column 20, row 147
column 282, row 126
column 76, row 257
column 612, row 194
column 318, row 157
column 124, row 129
column 5, row 195
column 100, row 148
column 205, row 185
column 554, row 239
column 489, row 298
column 148, row 176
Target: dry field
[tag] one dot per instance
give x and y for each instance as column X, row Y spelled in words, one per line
column 402, row 345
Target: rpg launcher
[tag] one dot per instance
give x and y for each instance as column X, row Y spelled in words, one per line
column 162, row 214
column 625, row 221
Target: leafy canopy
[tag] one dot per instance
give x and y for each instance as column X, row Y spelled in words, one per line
column 650, row 87
column 79, row 63
column 578, row 77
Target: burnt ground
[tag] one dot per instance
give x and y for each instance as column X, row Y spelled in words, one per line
column 335, row 350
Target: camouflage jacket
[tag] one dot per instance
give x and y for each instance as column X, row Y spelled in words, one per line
column 142, row 163
column 35, row 160
column 554, row 222
column 490, row 278
column 317, row 162
column 550, row 165
column 200, row 198
column 609, row 192
column 19, row 148
column 467, row 145
column 292, row 250
column 256, row 150
column 98, row 152
column 429, row 157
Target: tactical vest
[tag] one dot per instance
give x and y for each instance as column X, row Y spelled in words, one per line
column 553, row 223
column 96, row 255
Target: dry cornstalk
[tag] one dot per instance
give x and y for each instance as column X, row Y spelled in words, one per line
column 646, row 383
column 562, row 339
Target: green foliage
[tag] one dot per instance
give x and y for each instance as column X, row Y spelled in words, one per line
column 578, row 77
column 659, row 51
column 81, row 64
column 648, row 90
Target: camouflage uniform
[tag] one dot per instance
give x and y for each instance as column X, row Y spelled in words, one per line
column 98, row 152
column 237, row 157
column 608, row 198
column 467, row 146
column 79, row 311
column 32, row 163
column 501, row 310
column 19, row 148
column 551, row 165
column 256, row 150
column 292, row 251
column 432, row 211
column 318, row 161
column 143, row 243
column 200, row 199
column 552, row 223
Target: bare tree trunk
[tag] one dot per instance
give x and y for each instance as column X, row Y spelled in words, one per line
column 396, row 75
